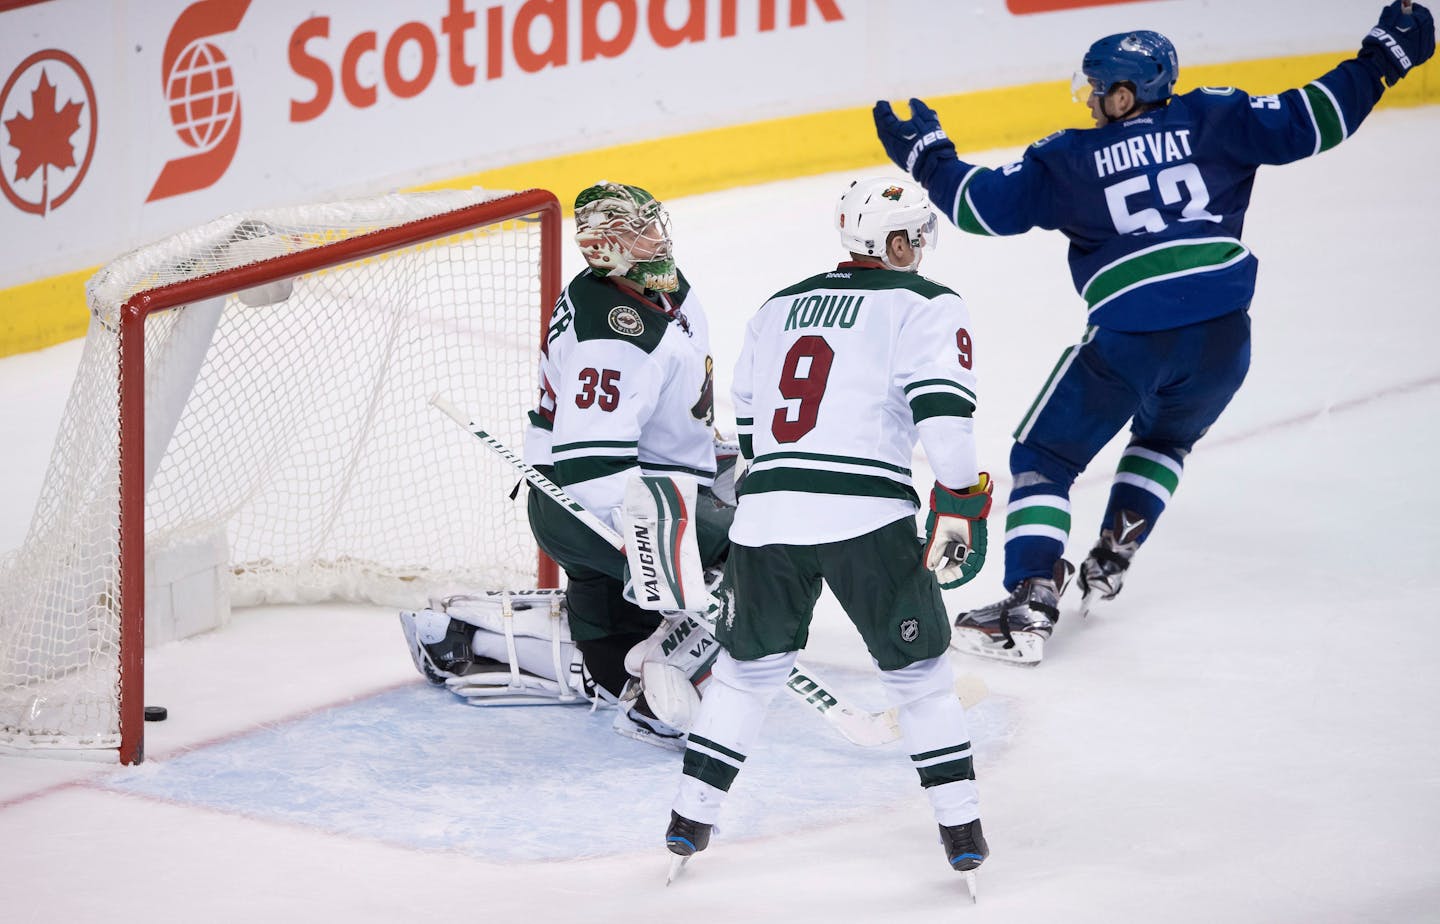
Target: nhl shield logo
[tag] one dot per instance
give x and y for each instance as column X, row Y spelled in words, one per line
column 626, row 320
column 909, row 630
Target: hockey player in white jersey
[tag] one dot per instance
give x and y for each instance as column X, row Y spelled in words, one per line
column 625, row 388
column 839, row 376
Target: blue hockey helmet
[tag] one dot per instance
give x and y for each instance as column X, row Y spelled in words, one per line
column 1144, row 59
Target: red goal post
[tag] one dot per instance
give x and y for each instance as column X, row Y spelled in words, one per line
column 272, row 440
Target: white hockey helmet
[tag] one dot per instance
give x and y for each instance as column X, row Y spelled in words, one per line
column 871, row 209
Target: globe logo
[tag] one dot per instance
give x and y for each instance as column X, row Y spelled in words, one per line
column 200, row 90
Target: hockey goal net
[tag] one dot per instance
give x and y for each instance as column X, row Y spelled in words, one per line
column 250, row 423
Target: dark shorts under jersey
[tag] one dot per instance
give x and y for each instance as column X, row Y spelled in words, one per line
column 595, row 570
column 879, row 578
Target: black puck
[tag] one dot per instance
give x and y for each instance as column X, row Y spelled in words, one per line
column 156, row 713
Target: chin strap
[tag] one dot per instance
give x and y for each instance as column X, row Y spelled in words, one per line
column 914, row 266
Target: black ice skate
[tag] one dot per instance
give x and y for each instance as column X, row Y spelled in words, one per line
column 966, row 849
column 1103, row 573
column 684, row 838
column 639, row 722
column 1015, row 629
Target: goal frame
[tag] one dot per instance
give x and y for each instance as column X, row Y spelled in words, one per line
column 131, row 525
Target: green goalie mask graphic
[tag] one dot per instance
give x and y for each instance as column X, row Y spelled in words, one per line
column 626, row 231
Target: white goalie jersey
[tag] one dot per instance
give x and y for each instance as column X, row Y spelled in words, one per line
column 839, row 377
column 625, row 387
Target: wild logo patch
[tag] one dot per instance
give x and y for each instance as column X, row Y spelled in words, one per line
column 626, row 320
column 704, row 409
column 893, row 193
column 909, row 630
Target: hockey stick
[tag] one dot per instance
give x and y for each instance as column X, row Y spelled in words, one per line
column 867, row 729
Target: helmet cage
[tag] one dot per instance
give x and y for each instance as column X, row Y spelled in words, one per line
column 624, row 231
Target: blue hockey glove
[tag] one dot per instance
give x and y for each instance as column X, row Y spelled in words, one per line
column 1403, row 39
column 917, row 145
column 955, row 532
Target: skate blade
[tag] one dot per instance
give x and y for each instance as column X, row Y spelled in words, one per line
column 972, row 887
column 1029, row 647
column 677, row 863
column 1095, row 603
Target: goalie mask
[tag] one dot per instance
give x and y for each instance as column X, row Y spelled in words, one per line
column 871, row 210
column 625, row 231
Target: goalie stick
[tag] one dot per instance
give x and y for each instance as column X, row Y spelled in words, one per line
column 867, row 729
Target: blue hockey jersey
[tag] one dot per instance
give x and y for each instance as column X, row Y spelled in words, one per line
column 1154, row 206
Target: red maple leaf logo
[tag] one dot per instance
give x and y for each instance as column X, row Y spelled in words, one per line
column 43, row 138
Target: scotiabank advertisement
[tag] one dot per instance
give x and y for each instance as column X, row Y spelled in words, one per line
column 125, row 120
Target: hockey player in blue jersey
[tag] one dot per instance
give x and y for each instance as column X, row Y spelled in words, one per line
column 1153, row 201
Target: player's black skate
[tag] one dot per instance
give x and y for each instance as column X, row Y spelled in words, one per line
column 1015, row 629
column 684, row 838
column 638, row 721
column 1102, row 574
column 966, row 849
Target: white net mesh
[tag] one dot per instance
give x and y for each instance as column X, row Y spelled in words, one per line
column 300, row 431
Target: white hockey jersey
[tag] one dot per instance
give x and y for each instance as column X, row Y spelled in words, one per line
column 625, row 385
column 840, row 375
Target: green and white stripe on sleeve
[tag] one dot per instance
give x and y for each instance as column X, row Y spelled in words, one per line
column 590, row 459
column 939, row 398
column 823, row 473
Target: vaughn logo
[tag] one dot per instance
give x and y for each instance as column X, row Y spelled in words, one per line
column 200, row 93
column 47, row 131
column 645, row 554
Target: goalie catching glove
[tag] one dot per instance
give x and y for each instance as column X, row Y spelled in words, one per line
column 955, row 532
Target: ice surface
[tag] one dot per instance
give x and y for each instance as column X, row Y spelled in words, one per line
column 1247, row 735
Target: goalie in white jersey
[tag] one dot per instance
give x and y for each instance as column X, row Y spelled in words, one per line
column 625, row 389
column 839, row 376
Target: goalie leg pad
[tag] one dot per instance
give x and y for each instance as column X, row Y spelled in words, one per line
column 662, row 557
column 521, row 649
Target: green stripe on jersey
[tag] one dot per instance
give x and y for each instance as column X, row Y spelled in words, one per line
column 1328, row 124
column 682, row 469
column 595, row 444
column 940, row 404
column 947, row 383
column 1178, row 258
column 966, row 218
column 586, row 468
column 1160, row 474
column 826, row 457
column 818, row 481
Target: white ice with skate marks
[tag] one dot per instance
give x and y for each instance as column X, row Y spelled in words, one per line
column 416, row 767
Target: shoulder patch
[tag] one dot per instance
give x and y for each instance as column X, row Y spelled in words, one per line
column 1217, row 91
column 626, row 320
